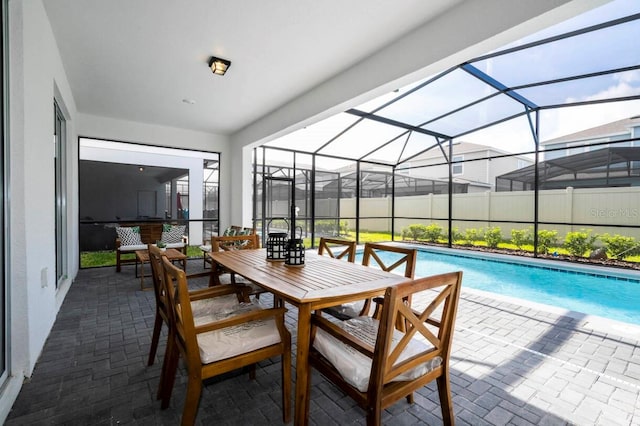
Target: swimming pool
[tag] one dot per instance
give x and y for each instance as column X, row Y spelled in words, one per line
column 614, row 295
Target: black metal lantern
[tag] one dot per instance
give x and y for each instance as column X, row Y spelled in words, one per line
column 295, row 251
column 276, row 245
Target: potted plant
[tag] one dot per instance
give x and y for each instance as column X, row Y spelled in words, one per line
column 162, row 246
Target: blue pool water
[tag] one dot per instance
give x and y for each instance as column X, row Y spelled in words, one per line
column 616, row 298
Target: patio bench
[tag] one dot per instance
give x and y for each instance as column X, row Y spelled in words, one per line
column 149, row 233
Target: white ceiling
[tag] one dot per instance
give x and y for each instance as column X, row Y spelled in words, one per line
column 138, row 59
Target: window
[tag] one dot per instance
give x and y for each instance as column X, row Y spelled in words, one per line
column 59, row 139
column 456, row 167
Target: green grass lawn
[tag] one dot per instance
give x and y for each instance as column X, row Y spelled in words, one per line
column 92, row 259
column 108, row 257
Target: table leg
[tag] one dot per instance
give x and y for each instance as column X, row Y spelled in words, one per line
column 302, row 365
column 214, row 278
column 141, row 275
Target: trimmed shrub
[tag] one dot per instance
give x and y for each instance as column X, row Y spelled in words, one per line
column 578, row 243
column 471, row 235
column 619, row 246
column 456, row 235
column 432, row 233
column 415, row 231
column 521, row 237
column 493, row 236
column 546, row 240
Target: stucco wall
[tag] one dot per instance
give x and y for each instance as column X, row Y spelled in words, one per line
column 37, row 76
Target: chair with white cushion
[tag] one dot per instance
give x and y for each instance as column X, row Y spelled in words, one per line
column 222, row 342
column 203, row 301
column 375, row 363
column 403, row 260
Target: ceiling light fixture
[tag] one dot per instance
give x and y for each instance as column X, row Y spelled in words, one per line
column 219, row 66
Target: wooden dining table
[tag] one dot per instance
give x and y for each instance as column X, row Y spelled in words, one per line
column 320, row 283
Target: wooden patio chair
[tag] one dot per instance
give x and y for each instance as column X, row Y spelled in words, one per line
column 346, row 248
column 222, row 342
column 203, row 302
column 406, row 257
column 231, row 243
column 376, row 364
column 230, row 231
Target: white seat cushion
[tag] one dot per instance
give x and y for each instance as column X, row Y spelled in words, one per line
column 206, row 248
column 175, row 245
column 133, row 247
column 355, row 367
column 231, row 341
column 205, row 309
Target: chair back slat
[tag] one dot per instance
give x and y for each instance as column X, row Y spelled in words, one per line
column 407, row 259
column 328, row 245
column 235, row 242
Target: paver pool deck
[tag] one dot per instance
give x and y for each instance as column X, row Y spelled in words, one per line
column 513, row 364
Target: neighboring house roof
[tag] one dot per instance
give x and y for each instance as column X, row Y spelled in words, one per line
column 598, row 168
column 619, row 127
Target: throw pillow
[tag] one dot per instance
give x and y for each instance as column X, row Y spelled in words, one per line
column 245, row 231
column 173, row 235
column 129, row 236
column 229, row 232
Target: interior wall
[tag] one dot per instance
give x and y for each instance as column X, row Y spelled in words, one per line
column 107, row 197
column 36, row 76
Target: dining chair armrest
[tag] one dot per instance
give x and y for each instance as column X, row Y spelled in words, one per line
column 259, row 314
column 239, row 289
column 342, row 335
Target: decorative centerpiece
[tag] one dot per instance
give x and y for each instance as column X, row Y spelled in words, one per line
column 295, row 251
column 276, row 246
column 162, row 246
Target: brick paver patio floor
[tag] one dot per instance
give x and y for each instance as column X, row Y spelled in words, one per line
column 512, row 365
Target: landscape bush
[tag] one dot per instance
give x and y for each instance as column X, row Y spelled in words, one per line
column 471, row 235
column 546, row 240
column 493, row 236
column 456, row 235
column 433, row 233
column 521, row 237
column 578, row 243
column 619, row 246
column 415, row 231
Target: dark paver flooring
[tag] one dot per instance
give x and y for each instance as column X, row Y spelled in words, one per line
column 512, row 365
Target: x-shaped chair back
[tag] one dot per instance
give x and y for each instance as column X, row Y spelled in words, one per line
column 235, row 242
column 407, row 258
column 329, row 245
